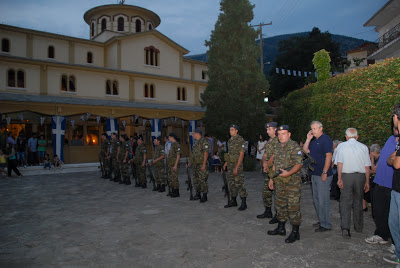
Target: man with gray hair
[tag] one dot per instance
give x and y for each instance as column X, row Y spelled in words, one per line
column 353, row 164
column 319, row 146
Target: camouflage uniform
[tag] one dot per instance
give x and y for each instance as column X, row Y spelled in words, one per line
column 173, row 174
column 115, row 165
column 288, row 190
column 200, row 177
column 267, row 193
column 125, row 172
column 236, row 145
column 159, row 166
column 139, row 157
column 103, row 156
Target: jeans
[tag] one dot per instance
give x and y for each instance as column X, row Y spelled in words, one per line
column 321, row 198
column 380, row 210
column 21, row 158
column 394, row 220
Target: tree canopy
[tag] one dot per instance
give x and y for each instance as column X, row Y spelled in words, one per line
column 297, row 53
column 234, row 94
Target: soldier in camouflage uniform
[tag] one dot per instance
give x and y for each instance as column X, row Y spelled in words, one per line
column 158, row 163
column 123, row 157
column 105, row 155
column 199, row 161
column 140, row 162
column 234, row 162
column 173, row 163
column 267, row 160
column 288, row 160
column 114, row 157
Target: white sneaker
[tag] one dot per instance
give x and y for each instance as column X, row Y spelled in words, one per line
column 392, row 248
column 375, row 239
column 392, row 259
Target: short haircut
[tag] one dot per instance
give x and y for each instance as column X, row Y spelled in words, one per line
column 396, row 110
column 351, row 132
column 316, row 122
column 375, row 148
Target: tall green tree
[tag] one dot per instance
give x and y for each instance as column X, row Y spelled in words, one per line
column 234, row 94
column 321, row 62
column 297, row 53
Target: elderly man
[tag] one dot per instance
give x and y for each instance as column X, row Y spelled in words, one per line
column 353, row 164
column 319, row 146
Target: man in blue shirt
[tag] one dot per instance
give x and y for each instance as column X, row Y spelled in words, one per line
column 319, row 146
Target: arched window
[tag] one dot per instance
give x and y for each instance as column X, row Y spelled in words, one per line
column 115, row 87
column 89, row 57
column 64, row 86
column 21, row 79
column 92, row 29
column 147, row 56
column 121, row 23
column 152, row 56
column 138, row 24
column 178, row 93
column 183, row 94
column 72, row 83
column 11, row 78
column 203, row 75
column 103, row 25
column 146, row 90
column 152, row 91
column 150, row 26
column 108, row 87
column 5, row 45
column 50, row 52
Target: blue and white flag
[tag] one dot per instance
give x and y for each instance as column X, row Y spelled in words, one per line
column 112, row 126
column 58, row 129
column 155, row 128
column 192, row 127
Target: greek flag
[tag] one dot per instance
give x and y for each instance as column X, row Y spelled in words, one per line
column 192, row 127
column 112, row 126
column 58, row 128
column 155, row 128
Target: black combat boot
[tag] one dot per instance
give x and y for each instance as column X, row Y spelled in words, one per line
column 128, row 181
column 203, row 198
column 243, row 206
column 162, row 188
column 280, row 230
column 273, row 220
column 175, row 193
column 231, row 203
column 156, row 188
column 267, row 213
column 197, row 196
column 144, row 185
column 294, row 235
column 172, row 193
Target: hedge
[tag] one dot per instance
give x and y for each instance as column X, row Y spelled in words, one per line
column 363, row 98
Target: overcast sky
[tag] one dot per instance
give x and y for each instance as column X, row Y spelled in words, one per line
column 190, row 22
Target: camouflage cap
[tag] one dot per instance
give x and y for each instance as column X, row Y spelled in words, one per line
column 234, row 126
column 271, row 124
column 283, row 127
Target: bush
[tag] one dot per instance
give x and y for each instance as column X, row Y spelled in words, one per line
column 363, row 98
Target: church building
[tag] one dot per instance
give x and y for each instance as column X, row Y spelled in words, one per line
column 127, row 77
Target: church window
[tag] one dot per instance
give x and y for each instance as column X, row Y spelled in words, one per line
column 183, row 94
column 203, row 75
column 92, row 29
column 121, row 23
column 11, row 78
column 146, row 90
column 138, row 25
column 68, row 83
column 21, row 79
column 89, row 57
column 108, row 87
column 5, row 45
column 152, row 56
column 178, row 93
column 152, row 91
column 64, row 83
column 50, row 52
column 72, row 83
column 115, row 87
column 103, row 25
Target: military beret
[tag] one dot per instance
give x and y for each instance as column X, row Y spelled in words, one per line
column 158, row 138
column 114, row 133
column 283, row 127
column 197, row 130
column 234, row 126
column 173, row 135
column 271, row 124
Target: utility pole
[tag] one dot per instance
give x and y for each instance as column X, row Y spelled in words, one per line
column 261, row 42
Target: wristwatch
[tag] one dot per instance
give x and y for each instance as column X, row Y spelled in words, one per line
column 324, row 172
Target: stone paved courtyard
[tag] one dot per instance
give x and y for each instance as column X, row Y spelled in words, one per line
column 80, row 220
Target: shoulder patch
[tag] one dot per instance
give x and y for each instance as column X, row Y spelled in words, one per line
column 299, row 152
column 206, row 146
column 179, row 149
column 243, row 145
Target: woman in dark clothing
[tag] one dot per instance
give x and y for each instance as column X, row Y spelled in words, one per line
column 12, row 160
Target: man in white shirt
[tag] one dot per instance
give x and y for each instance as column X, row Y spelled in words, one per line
column 353, row 164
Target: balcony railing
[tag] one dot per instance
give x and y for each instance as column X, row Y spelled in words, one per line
column 389, row 36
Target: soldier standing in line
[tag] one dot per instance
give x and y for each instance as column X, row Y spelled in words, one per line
column 199, row 161
column 158, row 163
column 105, row 155
column 173, row 163
column 114, row 157
column 140, row 162
column 234, row 162
column 123, row 157
column 267, row 160
column 288, row 160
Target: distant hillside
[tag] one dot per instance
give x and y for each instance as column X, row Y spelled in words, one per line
column 270, row 47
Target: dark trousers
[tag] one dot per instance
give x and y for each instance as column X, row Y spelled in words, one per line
column 351, row 197
column 335, row 190
column 380, row 210
column 33, row 158
column 12, row 165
